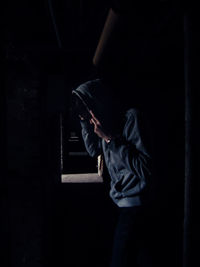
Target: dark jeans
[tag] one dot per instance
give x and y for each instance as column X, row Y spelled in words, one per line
column 131, row 244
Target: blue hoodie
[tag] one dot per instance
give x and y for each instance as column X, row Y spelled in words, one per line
column 127, row 156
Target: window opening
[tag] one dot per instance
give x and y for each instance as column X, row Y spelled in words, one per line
column 77, row 165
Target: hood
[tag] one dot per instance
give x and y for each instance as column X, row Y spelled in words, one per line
column 102, row 100
column 95, row 96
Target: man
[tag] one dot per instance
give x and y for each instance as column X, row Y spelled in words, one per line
column 123, row 137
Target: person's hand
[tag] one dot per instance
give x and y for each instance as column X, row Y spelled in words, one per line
column 98, row 128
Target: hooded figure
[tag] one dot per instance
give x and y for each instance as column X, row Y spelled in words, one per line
column 122, row 136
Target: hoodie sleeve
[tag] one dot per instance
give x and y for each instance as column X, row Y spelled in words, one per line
column 91, row 140
column 133, row 150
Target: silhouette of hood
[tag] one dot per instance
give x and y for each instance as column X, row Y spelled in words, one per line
column 95, row 96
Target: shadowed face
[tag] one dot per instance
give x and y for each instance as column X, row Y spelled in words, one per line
column 81, row 109
column 109, row 114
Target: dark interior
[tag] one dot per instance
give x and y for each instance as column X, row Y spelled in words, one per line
column 47, row 50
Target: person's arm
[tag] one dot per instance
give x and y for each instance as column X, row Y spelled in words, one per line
column 133, row 151
column 91, row 140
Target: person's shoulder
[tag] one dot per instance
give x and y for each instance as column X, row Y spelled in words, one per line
column 135, row 114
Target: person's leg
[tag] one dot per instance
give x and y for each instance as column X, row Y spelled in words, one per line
column 127, row 238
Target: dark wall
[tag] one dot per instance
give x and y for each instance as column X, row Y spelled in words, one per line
column 36, row 71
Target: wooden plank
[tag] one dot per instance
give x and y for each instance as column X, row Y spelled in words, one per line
column 82, row 178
